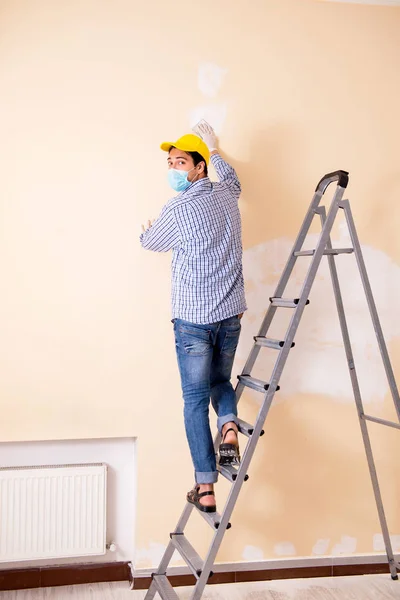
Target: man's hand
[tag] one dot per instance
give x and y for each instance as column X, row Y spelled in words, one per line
column 207, row 134
column 149, row 224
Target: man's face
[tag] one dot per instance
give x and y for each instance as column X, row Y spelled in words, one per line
column 178, row 159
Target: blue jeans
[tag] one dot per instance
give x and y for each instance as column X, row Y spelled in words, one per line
column 205, row 358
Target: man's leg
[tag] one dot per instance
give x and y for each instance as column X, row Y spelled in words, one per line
column 223, row 395
column 194, row 348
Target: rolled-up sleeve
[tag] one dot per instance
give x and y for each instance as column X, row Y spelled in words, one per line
column 163, row 235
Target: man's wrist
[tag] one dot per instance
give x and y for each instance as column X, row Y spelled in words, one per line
column 213, row 151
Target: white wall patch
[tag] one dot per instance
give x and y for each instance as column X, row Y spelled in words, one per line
column 285, row 549
column 347, row 545
column 379, row 544
column 252, row 553
column 317, row 364
column 214, row 114
column 321, row 547
column 210, row 79
column 153, row 553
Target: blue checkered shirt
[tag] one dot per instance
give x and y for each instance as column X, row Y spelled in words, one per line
column 202, row 226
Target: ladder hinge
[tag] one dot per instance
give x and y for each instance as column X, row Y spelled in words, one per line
column 351, row 364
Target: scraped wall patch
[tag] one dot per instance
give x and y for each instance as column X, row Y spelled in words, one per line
column 214, row 113
column 285, row 549
column 252, row 553
column 379, row 544
column 317, row 364
column 154, row 553
column 347, row 545
column 210, row 78
column 321, row 547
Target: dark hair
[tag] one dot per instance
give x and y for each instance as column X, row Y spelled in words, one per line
column 197, row 158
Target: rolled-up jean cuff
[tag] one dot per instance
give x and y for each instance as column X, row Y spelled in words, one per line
column 211, row 477
column 225, row 419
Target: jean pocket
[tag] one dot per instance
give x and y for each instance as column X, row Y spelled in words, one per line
column 193, row 340
column 231, row 341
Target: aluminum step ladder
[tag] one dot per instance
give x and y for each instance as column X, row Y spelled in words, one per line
column 202, row 569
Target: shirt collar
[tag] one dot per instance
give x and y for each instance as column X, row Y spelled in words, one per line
column 198, row 187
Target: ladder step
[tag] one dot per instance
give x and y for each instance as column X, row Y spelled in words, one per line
column 246, row 428
column 213, row 519
column 164, row 588
column 381, row 421
column 229, row 472
column 286, row 302
column 254, row 384
column 268, row 343
column 331, row 251
column 188, row 553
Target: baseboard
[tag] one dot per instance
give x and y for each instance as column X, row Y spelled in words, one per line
column 37, row 577
column 267, row 570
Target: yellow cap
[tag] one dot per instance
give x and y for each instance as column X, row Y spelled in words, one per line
column 189, row 143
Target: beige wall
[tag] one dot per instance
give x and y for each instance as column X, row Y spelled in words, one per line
column 88, row 90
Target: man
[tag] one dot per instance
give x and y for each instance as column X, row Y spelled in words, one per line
column 202, row 226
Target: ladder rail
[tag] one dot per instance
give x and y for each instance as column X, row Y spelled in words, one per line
column 358, row 399
column 164, row 588
column 288, row 269
column 372, row 306
column 342, row 178
column 306, row 288
column 393, row 565
column 170, row 549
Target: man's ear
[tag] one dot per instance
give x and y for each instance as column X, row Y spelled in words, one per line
column 202, row 166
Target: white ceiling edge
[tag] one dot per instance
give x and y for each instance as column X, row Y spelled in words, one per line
column 374, row 2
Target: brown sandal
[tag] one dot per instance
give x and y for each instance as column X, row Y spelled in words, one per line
column 194, row 498
column 229, row 453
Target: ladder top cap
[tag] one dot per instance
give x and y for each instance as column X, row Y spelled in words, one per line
column 342, row 178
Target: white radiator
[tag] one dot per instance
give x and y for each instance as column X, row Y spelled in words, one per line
column 52, row 511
